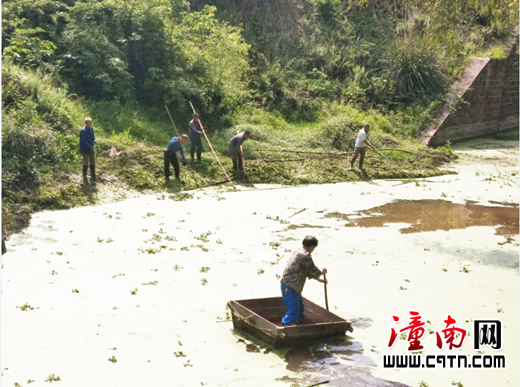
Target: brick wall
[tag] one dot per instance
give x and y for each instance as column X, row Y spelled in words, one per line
column 490, row 102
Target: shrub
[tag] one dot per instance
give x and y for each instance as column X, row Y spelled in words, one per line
column 414, row 70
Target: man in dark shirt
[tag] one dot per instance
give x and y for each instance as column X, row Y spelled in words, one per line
column 171, row 157
column 235, row 150
column 86, row 148
column 298, row 269
column 195, row 133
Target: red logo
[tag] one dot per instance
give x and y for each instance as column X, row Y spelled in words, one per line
column 416, row 332
column 450, row 334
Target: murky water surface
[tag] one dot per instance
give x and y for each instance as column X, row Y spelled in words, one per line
column 433, row 215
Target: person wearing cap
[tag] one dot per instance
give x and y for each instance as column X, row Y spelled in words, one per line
column 195, row 133
column 170, row 155
column 360, row 147
column 86, row 148
column 298, row 269
column 235, row 150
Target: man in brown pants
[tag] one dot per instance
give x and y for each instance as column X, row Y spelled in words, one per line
column 361, row 143
column 86, row 148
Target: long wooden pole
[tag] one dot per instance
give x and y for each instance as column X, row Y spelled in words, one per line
column 211, row 147
column 333, row 154
column 326, row 298
column 176, row 132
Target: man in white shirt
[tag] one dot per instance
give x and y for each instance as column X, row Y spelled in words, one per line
column 361, row 144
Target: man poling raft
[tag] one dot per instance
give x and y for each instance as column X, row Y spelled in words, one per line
column 298, row 269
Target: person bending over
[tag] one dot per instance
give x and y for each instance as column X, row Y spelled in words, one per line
column 171, row 157
column 235, row 150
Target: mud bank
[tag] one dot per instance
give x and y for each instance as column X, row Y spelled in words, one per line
column 134, row 293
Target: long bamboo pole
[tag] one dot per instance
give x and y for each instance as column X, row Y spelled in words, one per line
column 326, row 297
column 176, row 132
column 333, row 154
column 211, row 147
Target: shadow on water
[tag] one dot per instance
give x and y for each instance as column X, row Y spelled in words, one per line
column 340, row 361
column 434, row 215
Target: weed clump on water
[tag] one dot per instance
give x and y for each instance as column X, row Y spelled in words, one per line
column 149, row 250
column 25, row 307
column 204, row 236
column 53, row 378
column 274, row 245
column 181, row 197
column 112, row 359
column 201, row 247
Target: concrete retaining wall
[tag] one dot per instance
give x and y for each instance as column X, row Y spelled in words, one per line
column 489, row 91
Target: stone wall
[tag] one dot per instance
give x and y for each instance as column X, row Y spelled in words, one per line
column 489, row 92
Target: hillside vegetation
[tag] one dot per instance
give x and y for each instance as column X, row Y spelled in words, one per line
column 301, row 75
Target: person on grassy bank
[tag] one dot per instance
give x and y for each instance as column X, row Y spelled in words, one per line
column 170, row 156
column 360, row 147
column 87, row 139
column 235, row 150
column 298, row 269
column 195, row 134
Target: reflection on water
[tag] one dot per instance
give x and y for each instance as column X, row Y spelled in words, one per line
column 433, row 215
column 339, row 361
column 327, row 358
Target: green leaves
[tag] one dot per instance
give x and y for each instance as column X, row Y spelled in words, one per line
column 26, row 47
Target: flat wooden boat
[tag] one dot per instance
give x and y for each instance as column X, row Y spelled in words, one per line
column 262, row 318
